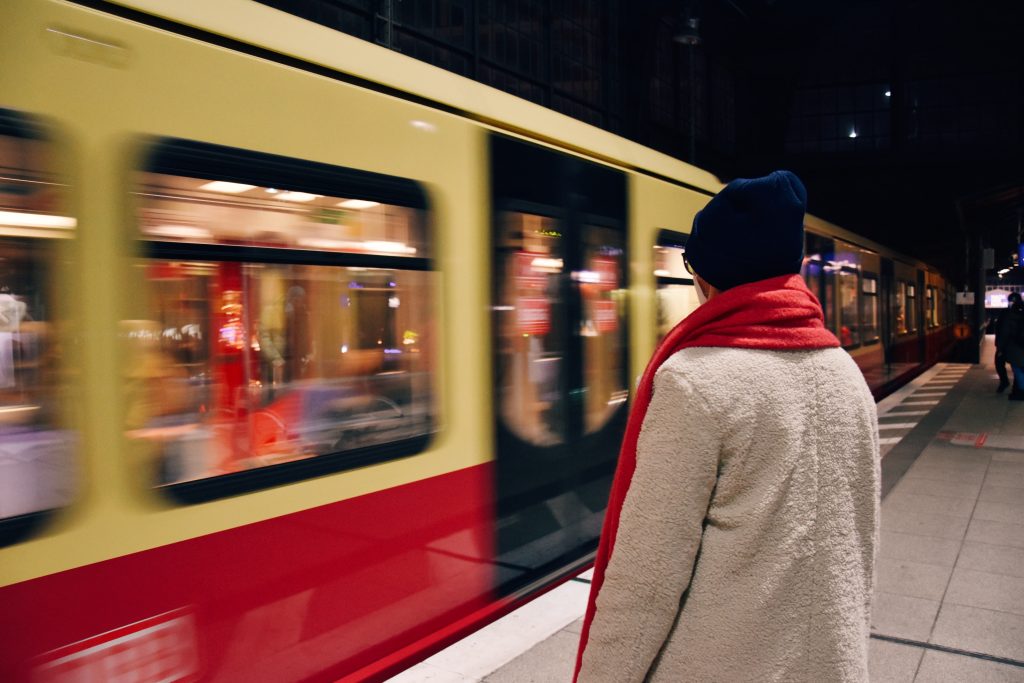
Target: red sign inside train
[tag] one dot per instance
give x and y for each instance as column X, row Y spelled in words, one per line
column 606, row 315
column 161, row 648
column 533, row 268
column 607, row 270
column 533, row 315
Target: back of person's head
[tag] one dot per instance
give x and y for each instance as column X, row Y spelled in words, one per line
column 752, row 230
column 1014, row 300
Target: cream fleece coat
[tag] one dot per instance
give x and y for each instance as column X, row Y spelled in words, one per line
column 745, row 550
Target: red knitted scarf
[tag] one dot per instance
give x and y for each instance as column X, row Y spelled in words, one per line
column 778, row 314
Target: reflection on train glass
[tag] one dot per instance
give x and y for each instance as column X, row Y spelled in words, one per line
column 244, row 359
column 36, row 466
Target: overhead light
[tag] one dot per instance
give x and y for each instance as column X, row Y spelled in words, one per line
column 1004, row 271
column 689, row 32
column 389, row 247
column 21, row 219
column 226, row 187
column 853, row 133
column 180, row 231
column 586, row 276
column 423, row 125
column 547, row 265
column 271, row 190
column 298, row 196
column 888, row 93
column 358, row 204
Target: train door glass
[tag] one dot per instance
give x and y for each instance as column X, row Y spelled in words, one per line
column 603, row 325
column 560, row 354
column 37, row 469
column 677, row 295
column 869, row 308
column 849, row 328
column 911, row 291
column 931, row 307
column 900, row 308
column 531, row 341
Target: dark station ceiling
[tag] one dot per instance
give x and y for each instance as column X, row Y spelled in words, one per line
column 905, row 118
column 936, row 167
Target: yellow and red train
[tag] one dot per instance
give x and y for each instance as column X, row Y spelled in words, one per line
column 313, row 357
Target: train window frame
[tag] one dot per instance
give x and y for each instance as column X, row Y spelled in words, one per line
column 24, row 526
column 211, row 162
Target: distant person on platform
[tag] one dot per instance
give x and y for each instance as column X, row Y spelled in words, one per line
column 1010, row 342
column 740, row 535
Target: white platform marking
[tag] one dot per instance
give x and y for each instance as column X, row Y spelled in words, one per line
column 497, row 644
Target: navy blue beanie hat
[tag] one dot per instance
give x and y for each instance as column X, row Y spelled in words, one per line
column 751, row 230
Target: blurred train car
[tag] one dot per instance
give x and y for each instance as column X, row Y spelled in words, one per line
column 314, row 358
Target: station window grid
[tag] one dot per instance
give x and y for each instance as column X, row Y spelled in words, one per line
column 967, row 110
column 842, row 118
column 556, row 53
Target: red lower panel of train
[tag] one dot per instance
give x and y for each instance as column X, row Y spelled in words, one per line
column 308, row 596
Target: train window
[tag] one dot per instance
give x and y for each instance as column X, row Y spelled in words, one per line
column 287, row 327
column 677, row 294
column 531, row 340
column 849, row 328
column 869, row 308
column 911, row 308
column 931, row 307
column 37, row 470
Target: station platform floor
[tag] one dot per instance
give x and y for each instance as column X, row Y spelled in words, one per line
column 949, row 588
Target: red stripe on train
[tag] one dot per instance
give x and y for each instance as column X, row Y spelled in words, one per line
column 315, row 595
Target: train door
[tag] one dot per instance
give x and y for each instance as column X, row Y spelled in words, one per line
column 922, row 317
column 560, row 355
column 886, row 297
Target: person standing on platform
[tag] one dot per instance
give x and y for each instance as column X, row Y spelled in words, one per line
column 741, row 528
column 1010, row 342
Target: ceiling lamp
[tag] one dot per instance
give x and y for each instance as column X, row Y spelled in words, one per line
column 689, row 32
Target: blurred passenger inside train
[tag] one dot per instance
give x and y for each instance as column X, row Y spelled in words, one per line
column 1010, row 342
column 740, row 535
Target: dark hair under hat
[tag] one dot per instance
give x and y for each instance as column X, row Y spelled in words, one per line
column 752, row 230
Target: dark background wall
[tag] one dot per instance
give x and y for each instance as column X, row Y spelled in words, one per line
column 903, row 117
